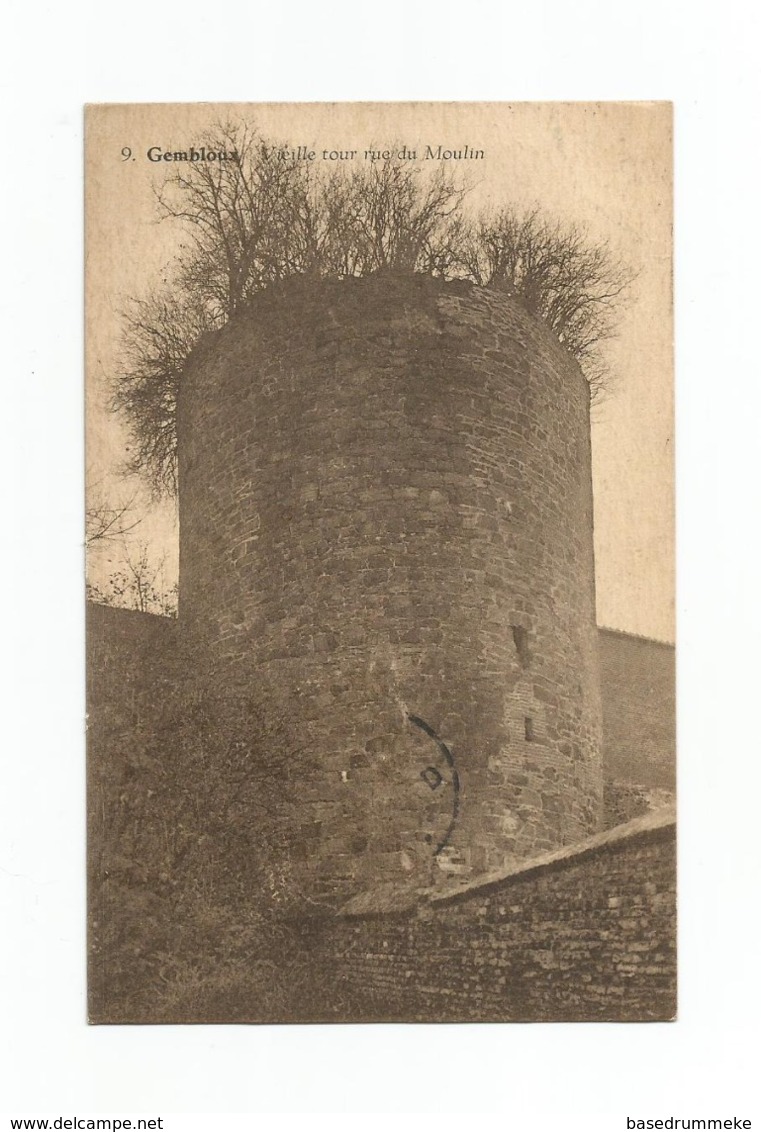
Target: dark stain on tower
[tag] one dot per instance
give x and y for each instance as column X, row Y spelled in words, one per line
column 386, row 521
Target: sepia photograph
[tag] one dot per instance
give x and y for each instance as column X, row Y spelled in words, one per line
column 380, row 562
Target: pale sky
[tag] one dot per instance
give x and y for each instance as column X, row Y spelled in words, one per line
column 606, row 166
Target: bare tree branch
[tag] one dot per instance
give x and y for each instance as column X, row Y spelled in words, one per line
column 139, row 583
column 574, row 285
column 265, row 216
column 106, row 521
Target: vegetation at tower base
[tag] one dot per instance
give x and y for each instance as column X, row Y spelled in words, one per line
column 248, row 224
column 194, row 882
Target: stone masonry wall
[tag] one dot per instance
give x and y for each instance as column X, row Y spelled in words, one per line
column 637, row 679
column 625, row 800
column 130, row 653
column 582, row 934
column 386, row 529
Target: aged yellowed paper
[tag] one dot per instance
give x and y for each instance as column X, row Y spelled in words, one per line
column 380, row 562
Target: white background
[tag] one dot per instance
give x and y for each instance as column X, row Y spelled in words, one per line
column 703, row 57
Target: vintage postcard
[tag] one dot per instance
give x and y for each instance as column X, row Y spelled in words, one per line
column 380, row 562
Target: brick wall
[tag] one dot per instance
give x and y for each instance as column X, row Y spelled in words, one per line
column 582, row 934
column 386, row 528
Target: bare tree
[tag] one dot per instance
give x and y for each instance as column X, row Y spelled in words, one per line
column 395, row 216
column 264, row 216
column 247, row 222
column 107, row 521
column 566, row 279
column 159, row 332
column 139, row 583
column 251, row 222
column 238, row 215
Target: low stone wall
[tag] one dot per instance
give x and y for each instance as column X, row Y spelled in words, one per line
column 583, row 934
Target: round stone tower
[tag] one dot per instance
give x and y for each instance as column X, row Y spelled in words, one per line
column 386, row 532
